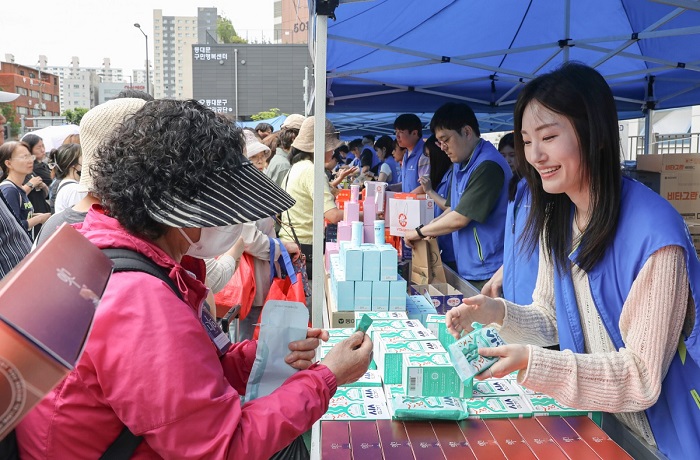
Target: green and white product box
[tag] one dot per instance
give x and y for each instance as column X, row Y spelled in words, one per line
column 544, row 405
column 437, row 325
column 342, row 331
column 432, row 374
column 496, row 387
column 390, row 356
column 334, row 339
column 391, row 324
column 499, row 407
column 359, row 403
column 528, row 392
column 403, row 335
column 464, row 353
column 375, row 315
column 371, row 378
column 404, row 407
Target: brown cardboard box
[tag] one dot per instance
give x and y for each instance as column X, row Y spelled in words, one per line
column 694, row 229
column 678, row 182
column 669, row 162
column 682, row 190
column 43, row 331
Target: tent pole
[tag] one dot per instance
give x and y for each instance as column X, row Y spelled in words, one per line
column 647, row 131
column 318, row 282
column 567, row 27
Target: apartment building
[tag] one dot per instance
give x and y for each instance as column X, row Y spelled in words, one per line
column 174, row 37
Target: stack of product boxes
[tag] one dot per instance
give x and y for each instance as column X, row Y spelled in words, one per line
column 363, row 268
column 419, row 381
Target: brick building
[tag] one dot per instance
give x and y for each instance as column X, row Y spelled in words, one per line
column 38, row 92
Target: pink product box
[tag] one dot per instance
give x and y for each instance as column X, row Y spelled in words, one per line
column 351, row 213
column 344, row 231
column 369, row 213
column 368, row 230
column 331, row 248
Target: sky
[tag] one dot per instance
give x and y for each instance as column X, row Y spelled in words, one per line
column 98, row 29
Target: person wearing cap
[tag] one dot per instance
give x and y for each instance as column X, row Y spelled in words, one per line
column 96, row 126
column 150, row 364
column 297, row 222
column 256, row 151
column 256, row 242
column 280, row 163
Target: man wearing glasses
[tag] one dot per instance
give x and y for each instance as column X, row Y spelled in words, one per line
column 477, row 198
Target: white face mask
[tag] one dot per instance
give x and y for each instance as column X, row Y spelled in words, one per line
column 213, row 241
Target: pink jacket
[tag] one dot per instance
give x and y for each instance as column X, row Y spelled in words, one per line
column 150, row 365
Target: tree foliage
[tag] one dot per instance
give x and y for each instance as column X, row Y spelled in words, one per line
column 74, row 115
column 226, row 32
column 265, row 114
column 9, row 113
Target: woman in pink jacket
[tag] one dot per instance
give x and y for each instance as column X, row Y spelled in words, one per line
column 166, row 179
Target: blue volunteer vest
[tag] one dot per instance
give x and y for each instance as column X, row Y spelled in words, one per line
column 647, row 223
column 447, row 253
column 480, row 243
column 519, row 267
column 395, row 170
column 409, row 169
column 375, row 158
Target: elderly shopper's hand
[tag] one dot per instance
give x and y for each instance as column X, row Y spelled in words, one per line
column 303, row 352
column 479, row 309
column 514, row 357
column 349, row 359
column 292, row 248
column 344, row 172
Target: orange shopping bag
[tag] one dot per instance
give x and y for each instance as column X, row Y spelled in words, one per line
column 240, row 290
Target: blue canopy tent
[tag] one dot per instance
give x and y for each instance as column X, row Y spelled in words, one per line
column 395, row 56
column 276, row 122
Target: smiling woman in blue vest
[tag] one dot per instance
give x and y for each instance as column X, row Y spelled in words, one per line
column 618, row 279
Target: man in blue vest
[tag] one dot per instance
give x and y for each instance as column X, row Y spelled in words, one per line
column 477, row 198
column 369, row 160
column 409, row 135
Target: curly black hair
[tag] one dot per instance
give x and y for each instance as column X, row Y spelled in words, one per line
column 167, row 148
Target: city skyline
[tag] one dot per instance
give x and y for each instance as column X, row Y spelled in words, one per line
column 60, row 33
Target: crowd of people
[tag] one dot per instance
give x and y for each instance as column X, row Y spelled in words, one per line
column 598, row 303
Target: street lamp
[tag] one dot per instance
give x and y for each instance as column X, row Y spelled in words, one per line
column 138, row 26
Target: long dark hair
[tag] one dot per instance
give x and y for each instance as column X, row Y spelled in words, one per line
column 508, row 140
column 300, row 155
column 581, row 94
column 439, row 161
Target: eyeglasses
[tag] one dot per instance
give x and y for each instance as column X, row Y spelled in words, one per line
column 25, row 157
column 442, row 143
